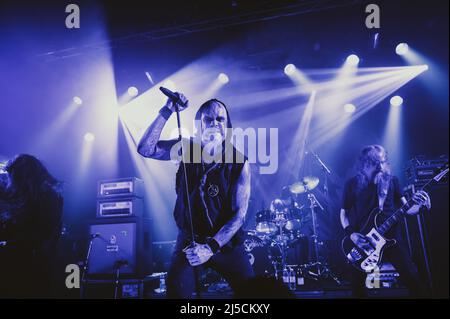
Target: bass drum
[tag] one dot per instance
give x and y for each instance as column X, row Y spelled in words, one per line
column 261, row 255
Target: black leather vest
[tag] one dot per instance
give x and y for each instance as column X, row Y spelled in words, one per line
column 210, row 188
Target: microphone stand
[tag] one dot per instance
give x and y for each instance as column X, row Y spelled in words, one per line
column 322, row 268
column 193, row 243
column 86, row 265
column 326, row 172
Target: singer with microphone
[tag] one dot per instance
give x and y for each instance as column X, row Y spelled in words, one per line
column 212, row 197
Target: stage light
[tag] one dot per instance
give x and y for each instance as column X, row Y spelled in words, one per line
column 396, row 100
column 133, row 91
column 289, row 69
column 393, row 137
column 223, row 78
column 353, row 59
column 402, row 48
column 349, row 108
column 77, row 100
column 89, row 137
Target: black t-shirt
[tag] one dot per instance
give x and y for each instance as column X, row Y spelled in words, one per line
column 359, row 203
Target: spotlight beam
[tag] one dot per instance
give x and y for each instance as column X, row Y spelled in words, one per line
column 392, row 138
column 366, row 97
column 53, row 131
column 297, row 152
column 147, row 170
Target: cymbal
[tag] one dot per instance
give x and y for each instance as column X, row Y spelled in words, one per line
column 306, row 184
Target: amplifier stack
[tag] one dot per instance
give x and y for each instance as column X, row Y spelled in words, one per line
column 121, row 233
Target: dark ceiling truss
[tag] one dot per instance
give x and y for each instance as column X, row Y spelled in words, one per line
column 302, row 7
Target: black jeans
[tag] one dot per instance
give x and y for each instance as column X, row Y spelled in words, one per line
column 231, row 262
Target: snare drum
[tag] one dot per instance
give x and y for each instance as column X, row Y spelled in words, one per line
column 264, row 224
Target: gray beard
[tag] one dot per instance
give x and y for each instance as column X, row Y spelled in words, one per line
column 382, row 180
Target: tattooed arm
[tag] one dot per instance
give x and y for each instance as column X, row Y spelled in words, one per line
column 150, row 145
column 241, row 195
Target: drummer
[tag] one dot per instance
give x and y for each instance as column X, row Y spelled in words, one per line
column 285, row 205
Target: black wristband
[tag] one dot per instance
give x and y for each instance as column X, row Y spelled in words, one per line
column 349, row 230
column 165, row 112
column 213, row 244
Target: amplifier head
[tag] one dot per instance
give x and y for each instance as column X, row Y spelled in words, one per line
column 121, row 187
column 120, row 207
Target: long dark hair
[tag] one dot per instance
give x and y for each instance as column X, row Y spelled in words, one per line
column 30, row 178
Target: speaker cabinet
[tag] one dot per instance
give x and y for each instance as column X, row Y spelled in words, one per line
column 120, row 243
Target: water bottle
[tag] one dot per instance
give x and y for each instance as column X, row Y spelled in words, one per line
column 292, row 281
column 285, row 276
column 300, row 278
column 162, row 284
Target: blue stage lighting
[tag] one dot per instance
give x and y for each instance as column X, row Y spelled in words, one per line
column 353, row 59
column 396, row 100
column 89, row 137
column 133, row 91
column 223, row 78
column 289, row 69
column 349, row 108
column 77, row 100
column 402, row 48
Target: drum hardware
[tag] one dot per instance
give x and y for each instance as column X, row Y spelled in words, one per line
column 322, row 270
column 263, row 253
column 280, row 227
column 284, row 224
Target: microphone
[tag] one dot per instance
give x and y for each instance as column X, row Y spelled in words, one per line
column 171, row 95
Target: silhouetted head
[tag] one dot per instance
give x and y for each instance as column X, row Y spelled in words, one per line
column 28, row 177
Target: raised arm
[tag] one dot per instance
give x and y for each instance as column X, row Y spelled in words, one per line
column 150, row 146
column 241, row 195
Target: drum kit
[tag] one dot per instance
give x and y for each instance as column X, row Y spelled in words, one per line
column 284, row 227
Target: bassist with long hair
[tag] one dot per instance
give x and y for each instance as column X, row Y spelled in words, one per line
column 372, row 198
